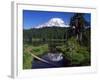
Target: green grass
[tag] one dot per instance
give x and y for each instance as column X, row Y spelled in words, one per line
column 75, row 53
column 37, row 50
column 27, row 60
column 40, row 50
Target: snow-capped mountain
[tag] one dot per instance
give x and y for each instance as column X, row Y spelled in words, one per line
column 56, row 22
column 53, row 22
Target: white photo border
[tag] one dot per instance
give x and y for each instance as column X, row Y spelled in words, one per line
column 17, row 38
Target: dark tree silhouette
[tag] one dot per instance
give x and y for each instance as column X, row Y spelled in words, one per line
column 77, row 23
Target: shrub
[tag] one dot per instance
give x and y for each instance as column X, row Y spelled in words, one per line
column 76, row 53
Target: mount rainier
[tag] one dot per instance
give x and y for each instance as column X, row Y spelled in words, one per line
column 57, row 22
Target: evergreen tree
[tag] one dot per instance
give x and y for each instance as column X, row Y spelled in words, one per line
column 77, row 23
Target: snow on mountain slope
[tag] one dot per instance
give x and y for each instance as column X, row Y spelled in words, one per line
column 57, row 22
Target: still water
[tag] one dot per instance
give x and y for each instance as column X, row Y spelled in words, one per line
column 55, row 61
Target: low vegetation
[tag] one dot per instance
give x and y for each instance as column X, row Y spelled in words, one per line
column 37, row 50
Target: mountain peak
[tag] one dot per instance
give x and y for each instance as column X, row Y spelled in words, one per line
column 57, row 22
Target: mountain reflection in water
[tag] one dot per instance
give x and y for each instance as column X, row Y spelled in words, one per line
column 55, row 60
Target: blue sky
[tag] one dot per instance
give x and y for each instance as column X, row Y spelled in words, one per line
column 33, row 18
